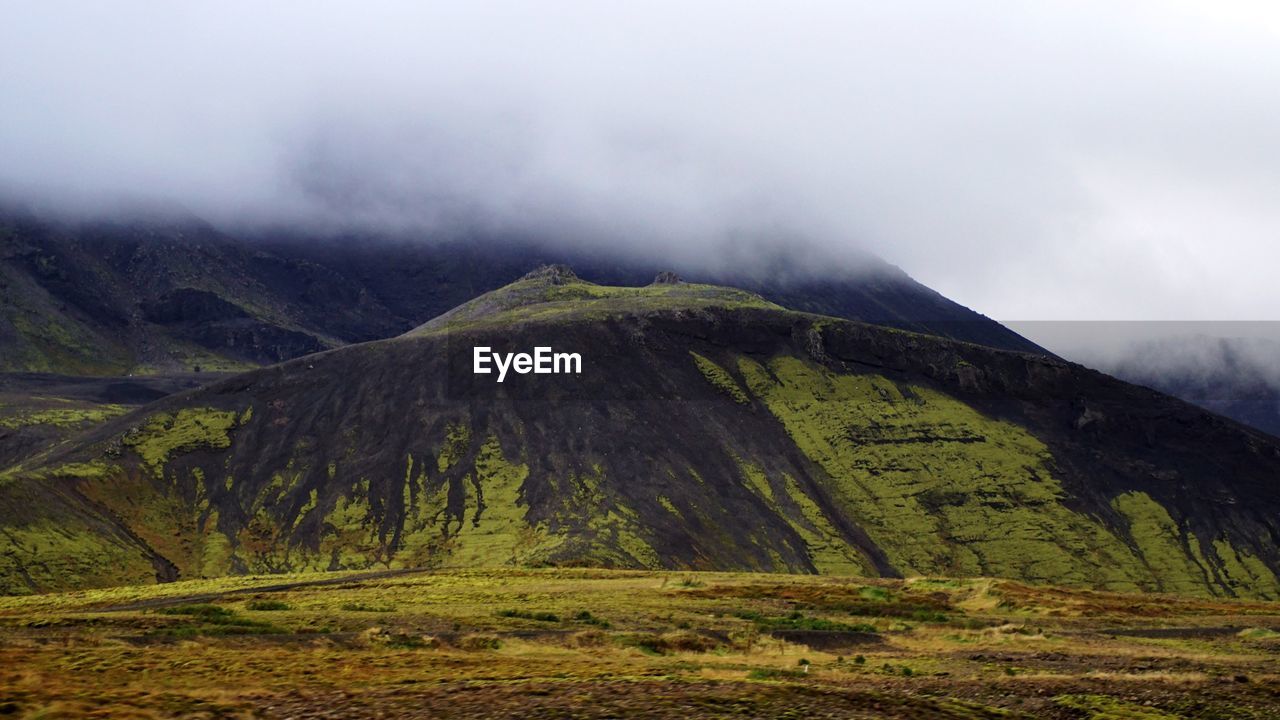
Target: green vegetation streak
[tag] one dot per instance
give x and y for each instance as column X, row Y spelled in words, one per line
column 721, row 379
column 828, row 551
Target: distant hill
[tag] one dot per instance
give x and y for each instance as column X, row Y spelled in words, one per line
column 1229, row 367
column 175, row 294
column 1237, row 377
column 709, row 429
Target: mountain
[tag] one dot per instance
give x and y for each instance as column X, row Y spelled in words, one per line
column 1229, row 367
column 708, row 429
column 421, row 280
column 165, row 295
column 1237, row 377
column 170, row 293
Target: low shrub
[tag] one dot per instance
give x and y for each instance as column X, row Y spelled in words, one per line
column 588, row 638
column 476, row 642
column 209, row 619
column 266, row 605
column 585, row 616
column 539, row 616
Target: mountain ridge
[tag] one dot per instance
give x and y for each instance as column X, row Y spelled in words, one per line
column 175, row 294
column 747, row 437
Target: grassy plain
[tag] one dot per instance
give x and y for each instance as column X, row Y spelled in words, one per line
column 597, row 643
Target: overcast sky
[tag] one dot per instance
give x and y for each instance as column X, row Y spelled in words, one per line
column 1033, row 160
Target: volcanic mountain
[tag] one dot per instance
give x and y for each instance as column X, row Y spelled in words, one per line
column 708, row 429
column 168, row 292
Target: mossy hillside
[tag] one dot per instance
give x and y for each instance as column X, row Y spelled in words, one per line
column 350, row 537
column 492, row 529
column 461, row 508
column 156, row 511
column 164, row 508
column 1181, row 563
column 943, row 489
column 467, row 508
column 593, row 524
column 912, row 464
column 45, row 338
column 342, row 530
column 176, row 503
column 54, row 553
column 426, row 537
column 1174, row 558
column 1244, row 574
column 464, row 510
column 36, row 419
column 465, row 505
column 48, row 542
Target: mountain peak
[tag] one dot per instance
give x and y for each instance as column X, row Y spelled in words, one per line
column 555, row 293
column 555, row 274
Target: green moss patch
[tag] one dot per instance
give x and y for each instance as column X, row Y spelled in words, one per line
column 188, row 429
column 72, row 417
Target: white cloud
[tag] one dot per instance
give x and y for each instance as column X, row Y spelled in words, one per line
column 1051, row 160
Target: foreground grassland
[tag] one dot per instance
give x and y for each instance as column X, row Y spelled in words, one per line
column 594, row 643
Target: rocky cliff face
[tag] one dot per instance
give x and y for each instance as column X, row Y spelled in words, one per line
column 708, row 429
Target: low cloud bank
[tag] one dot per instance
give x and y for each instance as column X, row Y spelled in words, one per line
column 1058, row 160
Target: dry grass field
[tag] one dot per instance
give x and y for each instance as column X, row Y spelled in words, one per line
column 563, row 643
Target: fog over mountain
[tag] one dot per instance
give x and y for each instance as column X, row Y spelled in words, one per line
column 1230, row 367
column 1034, row 161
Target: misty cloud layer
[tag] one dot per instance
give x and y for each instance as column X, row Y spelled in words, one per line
column 1201, row 351
column 1073, row 160
column 1230, row 367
